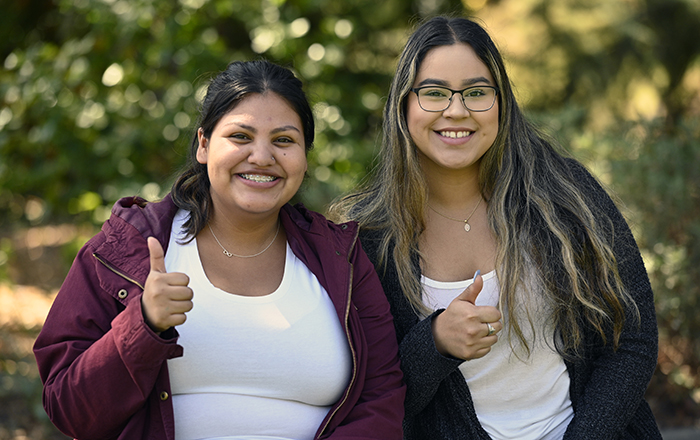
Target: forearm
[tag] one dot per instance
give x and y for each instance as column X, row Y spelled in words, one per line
column 423, row 366
column 95, row 386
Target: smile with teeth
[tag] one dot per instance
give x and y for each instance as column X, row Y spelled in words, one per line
column 455, row 134
column 258, row 177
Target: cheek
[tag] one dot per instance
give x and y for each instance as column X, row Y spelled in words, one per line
column 297, row 162
column 496, row 116
column 490, row 123
column 414, row 119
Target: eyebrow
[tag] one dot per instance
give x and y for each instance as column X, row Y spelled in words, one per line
column 274, row 131
column 285, row 128
column 467, row 82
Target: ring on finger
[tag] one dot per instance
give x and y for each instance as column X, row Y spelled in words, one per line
column 491, row 329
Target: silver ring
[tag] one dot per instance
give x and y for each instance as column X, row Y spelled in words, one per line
column 491, row 329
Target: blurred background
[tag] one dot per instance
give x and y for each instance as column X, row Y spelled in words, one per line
column 98, row 100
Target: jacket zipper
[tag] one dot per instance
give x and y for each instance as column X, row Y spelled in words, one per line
column 121, row 274
column 352, row 348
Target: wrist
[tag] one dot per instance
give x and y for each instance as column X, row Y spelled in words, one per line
column 437, row 338
column 147, row 321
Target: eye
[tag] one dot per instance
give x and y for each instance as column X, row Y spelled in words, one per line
column 285, row 140
column 239, row 137
column 475, row 93
column 434, row 92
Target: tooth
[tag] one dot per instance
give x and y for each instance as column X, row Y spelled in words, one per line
column 455, row 134
column 258, row 178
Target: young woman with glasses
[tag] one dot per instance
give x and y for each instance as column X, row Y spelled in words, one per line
column 521, row 303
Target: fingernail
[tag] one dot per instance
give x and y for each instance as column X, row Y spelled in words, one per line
column 477, row 273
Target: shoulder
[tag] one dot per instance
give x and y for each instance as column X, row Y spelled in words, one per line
column 609, row 211
column 315, row 229
column 131, row 222
column 148, row 218
column 313, row 221
column 372, row 240
column 579, row 172
column 584, row 178
column 596, row 194
column 134, row 208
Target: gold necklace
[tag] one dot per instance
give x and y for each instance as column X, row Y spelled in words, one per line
column 467, row 227
column 231, row 254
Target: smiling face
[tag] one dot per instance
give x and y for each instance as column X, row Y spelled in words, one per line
column 255, row 156
column 456, row 138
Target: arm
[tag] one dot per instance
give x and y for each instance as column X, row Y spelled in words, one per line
column 423, row 366
column 613, row 393
column 378, row 413
column 98, row 360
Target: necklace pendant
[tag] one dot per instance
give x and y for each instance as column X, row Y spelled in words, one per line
column 227, row 253
column 467, row 228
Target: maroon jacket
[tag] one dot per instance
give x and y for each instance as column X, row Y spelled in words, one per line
column 105, row 372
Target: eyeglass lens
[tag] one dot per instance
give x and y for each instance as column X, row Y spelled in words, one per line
column 476, row 99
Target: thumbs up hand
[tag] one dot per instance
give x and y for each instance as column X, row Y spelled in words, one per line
column 462, row 330
column 166, row 297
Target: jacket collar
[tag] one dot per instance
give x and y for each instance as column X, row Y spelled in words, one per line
column 149, row 219
column 133, row 220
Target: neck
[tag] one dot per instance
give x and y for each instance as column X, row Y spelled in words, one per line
column 455, row 191
column 246, row 234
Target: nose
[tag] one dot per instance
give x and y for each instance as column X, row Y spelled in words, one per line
column 261, row 153
column 456, row 109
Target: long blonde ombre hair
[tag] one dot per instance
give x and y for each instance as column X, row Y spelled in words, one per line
column 539, row 216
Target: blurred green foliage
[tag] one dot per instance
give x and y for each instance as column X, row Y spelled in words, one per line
column 101, row 96
column 99, row 99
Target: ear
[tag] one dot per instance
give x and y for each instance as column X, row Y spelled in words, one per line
column 202, row 150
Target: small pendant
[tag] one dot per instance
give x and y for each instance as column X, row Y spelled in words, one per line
column 467, row 227
column 227, row 253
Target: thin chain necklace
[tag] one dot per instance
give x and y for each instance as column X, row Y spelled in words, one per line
column 467, row 227
column 231, row 254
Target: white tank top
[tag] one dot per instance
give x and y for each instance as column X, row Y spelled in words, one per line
column 267, row 367
column 524, row 398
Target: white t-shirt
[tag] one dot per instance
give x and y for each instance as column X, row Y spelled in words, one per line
column 267, row 367
column 515, row 396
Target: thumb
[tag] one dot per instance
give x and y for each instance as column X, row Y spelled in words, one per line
column 155, row 250
column 471, row 292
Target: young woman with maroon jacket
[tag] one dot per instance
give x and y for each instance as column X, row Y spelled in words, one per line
column 223, row 312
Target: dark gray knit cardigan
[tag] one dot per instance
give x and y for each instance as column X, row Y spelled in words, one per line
column 607, row 387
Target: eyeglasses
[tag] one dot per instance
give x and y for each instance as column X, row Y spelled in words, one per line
column 437, row 99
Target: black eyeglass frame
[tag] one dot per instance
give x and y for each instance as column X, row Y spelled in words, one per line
column 449, row 101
